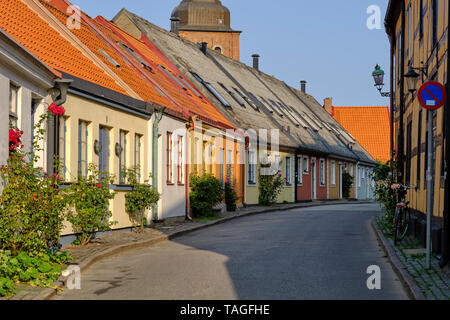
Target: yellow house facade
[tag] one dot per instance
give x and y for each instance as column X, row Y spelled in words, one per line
column 418, row 32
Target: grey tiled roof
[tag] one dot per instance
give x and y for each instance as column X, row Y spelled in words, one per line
column 302, row 121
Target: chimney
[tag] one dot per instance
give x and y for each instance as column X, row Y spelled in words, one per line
column 328, row 105
column 204, row 48
column 175, row 22
column 303, row 86
column 256, row 61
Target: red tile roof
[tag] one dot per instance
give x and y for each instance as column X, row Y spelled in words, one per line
column 153, row 57
column 152, row 85
column 370, row 126
column 36, row 35
column 95, row 43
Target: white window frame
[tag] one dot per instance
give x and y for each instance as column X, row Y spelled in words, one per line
column 123, row 141
column 333, row 173
column 305, row 170
column 83, row 133
column 322, row 172
column 14, row 106
column 251, row 168
column 300, row 170
column 137, row 155
column 288, row 173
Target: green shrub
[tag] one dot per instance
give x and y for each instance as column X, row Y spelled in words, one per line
column 347, row 181
column 36, row 270
column 90, row 198
column 385, row 195
column 142, row 197
column 230, row 197
column 270, row 187
column 32, row 206
column 206, row 192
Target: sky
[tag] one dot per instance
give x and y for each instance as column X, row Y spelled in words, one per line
column 325, row 42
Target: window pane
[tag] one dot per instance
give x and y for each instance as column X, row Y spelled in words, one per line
column 13, row 93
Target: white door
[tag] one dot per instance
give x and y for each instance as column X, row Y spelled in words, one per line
column 340, row 180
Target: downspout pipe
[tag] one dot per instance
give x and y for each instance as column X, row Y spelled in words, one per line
column 158, row 117
column 446, row 221
column 392, row 95
column 401, row 142
column 59, row 98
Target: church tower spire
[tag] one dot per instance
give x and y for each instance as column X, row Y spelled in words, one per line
column 207, row 21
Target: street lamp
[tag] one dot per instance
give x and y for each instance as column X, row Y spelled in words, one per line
column 378, row 77
column 411, row 80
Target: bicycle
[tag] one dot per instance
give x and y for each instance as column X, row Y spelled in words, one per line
column 402, row 216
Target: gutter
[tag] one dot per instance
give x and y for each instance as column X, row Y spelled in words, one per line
column 401, row 147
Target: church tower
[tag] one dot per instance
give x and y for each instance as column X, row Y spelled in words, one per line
column 206, row 21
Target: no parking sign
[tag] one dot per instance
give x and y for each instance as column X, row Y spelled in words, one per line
column 432, row 95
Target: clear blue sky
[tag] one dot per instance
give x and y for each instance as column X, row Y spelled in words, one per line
column 325, row 42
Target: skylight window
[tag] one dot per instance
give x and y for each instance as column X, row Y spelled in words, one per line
column 108, row 57
column 276, row 108
column 171, row 76
column 233, row 95
column 197, row 77
column 246, row 99
column 216, row 93
column 189, row 86
column 296, row 117
column 268, row 106
column 251, row 103
column 310, row 121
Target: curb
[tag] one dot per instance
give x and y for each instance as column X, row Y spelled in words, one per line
column 48, row 293
column 410, row 285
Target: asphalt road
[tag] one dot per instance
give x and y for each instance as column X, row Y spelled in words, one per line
column 310, row 253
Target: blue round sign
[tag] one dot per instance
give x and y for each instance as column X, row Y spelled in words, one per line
column 432, row 95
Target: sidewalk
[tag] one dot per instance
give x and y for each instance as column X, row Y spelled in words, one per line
column 408, row 259
column 119, row 242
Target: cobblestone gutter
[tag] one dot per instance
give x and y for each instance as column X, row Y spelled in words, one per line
column 408, row 259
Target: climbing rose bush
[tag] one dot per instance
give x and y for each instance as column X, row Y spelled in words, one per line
column 14, row 139
column 32, row 206
column 56, row 110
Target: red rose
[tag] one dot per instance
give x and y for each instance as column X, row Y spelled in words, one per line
column 34, row 197
column 56, row 110
column 99, row 185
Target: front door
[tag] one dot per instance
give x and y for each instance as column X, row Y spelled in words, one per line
column 340, row 181
column 313, row 178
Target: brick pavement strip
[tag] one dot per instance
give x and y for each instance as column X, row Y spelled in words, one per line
column 119, row 242
column 421, row 284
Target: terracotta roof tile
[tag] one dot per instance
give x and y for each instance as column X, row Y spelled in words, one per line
column 370, row 126
column 35, row 34
column 152, row 56
column 95, row 43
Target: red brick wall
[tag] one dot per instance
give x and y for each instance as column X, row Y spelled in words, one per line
column 228, row 41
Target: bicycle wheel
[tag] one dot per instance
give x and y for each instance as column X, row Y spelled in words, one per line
column 401, row 224
column 404, row 226
column 397, row 219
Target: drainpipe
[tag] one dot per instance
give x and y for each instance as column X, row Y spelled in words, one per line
column 401, row 142
column 59, row 98
column 190, row 129
column 392, row 96
column 446, row 223
column 158, row 117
